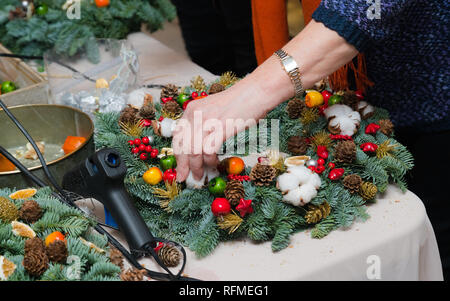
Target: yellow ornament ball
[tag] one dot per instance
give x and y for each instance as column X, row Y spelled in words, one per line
column 153, row 176
column 313, row 99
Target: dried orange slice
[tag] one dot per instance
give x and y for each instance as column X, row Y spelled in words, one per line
column 5, row 164
column 72, row 143
column 23, row 194
column 7, row 268
column 21, row 229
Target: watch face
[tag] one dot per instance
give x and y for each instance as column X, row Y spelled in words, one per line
column 289, row 63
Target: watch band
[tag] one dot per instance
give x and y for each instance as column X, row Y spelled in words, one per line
column 291, row 67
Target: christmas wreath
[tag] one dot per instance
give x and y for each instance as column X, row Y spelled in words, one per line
column 340, row 151
column 44, row 239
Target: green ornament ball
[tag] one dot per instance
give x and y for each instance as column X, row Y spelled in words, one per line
column 182, row 98
column 42, row 9
column 168, row 162
column 8, row 86
column 334, row 99
column 217, row 186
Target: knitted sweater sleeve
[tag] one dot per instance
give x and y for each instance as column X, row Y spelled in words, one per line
column 361, row 22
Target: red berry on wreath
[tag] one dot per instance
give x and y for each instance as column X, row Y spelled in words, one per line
column 331, row 165
column 372, row 128
column 194, row 94
column 336, row 174
column 185, row 104
column 135, row 150
column 359, row 94
column 143, row 156
column 322, row 152
column 244, row 207
column 131, row 142
column 137, row 141
column 145, row 123
column 320, row 169
column 141, row 147
column 312, row 168
column 320, row 161
column 220, row 206
column 102, row 3
column 154, row 153
column 170, row 175
column 203, row 94
column 148, row 148
column 369, row 147
column 326, row 95
column 145, row 140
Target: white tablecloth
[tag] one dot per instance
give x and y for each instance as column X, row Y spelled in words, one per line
column 396, row 243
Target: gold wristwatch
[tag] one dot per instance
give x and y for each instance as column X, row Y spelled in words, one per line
column 291, row 67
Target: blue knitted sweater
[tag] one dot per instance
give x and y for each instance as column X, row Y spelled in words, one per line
column 405, row 43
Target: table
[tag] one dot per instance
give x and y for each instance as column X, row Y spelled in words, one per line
column 397, row 242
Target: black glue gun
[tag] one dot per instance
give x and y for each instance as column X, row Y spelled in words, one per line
column 101, row 177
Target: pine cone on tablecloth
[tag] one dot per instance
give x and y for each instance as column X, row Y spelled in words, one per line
column 169, row 91
column 368, row 190
column 116, row 257
column 234, row 191
column 295, row 108
column 57, row 251
column 386, row 127
column 216, row 88
column 350, row 99
column 171, row 108
column 352, row 182
column 297, row 145
column 35, row 263
column 30, row 211
column 147, row 111
column 132, row 274
column 169, row 255
column 263, row 175
column 129, row 115
column 8, row 211
column 345, row 151
column 34, row 244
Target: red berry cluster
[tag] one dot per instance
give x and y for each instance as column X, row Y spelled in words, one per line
column 340, row 137
column 194, row 95
column 142, row 148
column 240, row 178
column 166, row 99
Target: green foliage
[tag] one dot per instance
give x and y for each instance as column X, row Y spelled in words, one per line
column 68, row 36
column 59, row 217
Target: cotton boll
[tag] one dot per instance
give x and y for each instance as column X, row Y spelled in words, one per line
column 346, row 125
column 211, row 173
column 314, row 181
column 307, row 193
column 136, row 98
column 287, row 181
column 301, row 172
column 293, row 197
column 193, row 183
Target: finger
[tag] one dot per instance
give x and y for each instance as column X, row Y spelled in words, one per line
column 210, row 160
column 196, row 166
column 182, row 167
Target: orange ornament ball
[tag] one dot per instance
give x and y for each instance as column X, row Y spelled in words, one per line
column 102, row 3
column 314, row 99
column 54, row 236
column 235, row 165
column 153, row 176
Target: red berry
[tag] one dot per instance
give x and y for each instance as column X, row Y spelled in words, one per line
column 131, row 142
column 137, row 141
column 320, row 161
column 161, row 118
column 145, row 140
column 331, row 165
column 185, row 104
column 320, row 169
column 170, row 175
column 336, row 174
column 359, row 94
column 194, row 95
column 326, row 95
column 169, row 98
column 135, row 150
column 148, row 148
column 143, row 156
column 220, row 206
column 145, row 123
column 203, row 94
column 313, row 168
column 141, row 147
column 154, row 153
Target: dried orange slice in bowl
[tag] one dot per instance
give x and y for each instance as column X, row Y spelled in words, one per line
column 23, row 194
column 72, row 143
column 21, row 229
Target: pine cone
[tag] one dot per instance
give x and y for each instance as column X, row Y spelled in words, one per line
column 169, row 255
column 147, row 112
column 216, row 88
column 116, row 257
column 263, row 175
column 30, row 211
column 352, row 182
column 386, row 126
column 18, row 12
column 345, row 151
column 295, row 108
column 57, row 251
column 171, row 108
column 350, row 99
column 169, row 91
column 198, row 84
column 34, row 244
column 368, row 190
column 129, row 115
column 297, row 145
column 234, row 191
column 35, row 263
column 133, row 274
column 8, row 211
column 314, row 214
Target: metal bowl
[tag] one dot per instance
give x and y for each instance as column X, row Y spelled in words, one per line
column 51, row 124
